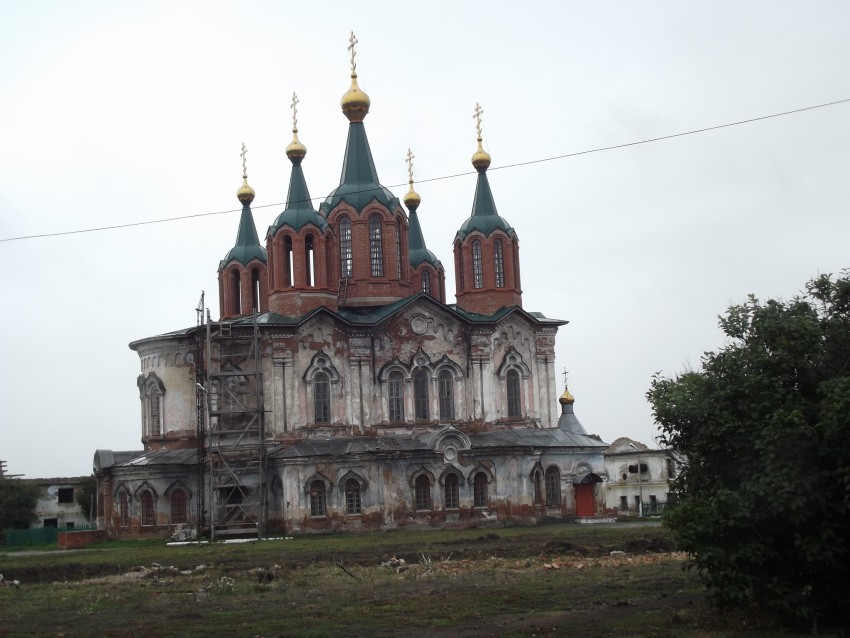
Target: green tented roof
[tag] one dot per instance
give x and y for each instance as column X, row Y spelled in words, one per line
column 484, row 217
column 247, row 242
column 299, row 209
column 358, row 184
column 418, row 252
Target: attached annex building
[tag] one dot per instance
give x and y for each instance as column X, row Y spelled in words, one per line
column 339, row 391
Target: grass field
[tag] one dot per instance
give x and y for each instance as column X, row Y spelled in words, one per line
column 556, row 580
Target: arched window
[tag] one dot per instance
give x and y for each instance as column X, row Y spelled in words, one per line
column 420, row 394
column 460, row 269
column 147, row 509
column 398, row 247
column 155, row 409
column 123, row 509
column 309, row 260
column 553, row 487
column 352, row 497
column 236, row 292
column 345, row 256
column 537, row 480
column 317, row 498
column 499, row 258
column 514, row 396
column 447, row 399
column 287, row 261
column 322, row 397
column 255, row 289
column 426, row 281
column 395, row 389
column 178, row 507
column 479, row 490
column 376, row 247
column 477, row 270
column 452, row 493
column 422, row 493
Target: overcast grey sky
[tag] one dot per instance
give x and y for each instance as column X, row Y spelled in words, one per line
column 112, row 113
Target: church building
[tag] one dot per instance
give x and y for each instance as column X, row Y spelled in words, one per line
column 339, row 391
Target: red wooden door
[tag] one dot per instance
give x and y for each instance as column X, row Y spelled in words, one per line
column 585, row 505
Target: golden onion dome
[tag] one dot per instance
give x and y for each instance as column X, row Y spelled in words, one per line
column 296, row 150
column 412, row 199
column 245, row 194
column 481, row 158
column 355, row 103
column 566, row 398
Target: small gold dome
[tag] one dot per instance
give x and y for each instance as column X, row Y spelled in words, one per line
column 296, row 150
column 412, row 199
column 566, row 398
column 481, row 158
column 245, row 194
column 355, row 103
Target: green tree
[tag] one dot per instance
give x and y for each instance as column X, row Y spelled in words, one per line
column 85, row 497
column 764, row 432
column 17, row 504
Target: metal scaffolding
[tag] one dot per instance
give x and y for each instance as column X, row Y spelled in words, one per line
column 234, row 442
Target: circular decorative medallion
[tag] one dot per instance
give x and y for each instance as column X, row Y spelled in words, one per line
column 419, row 325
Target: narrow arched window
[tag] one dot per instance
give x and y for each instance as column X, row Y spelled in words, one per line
column 452, row 492
column 537, row 479
column 255, row 289
column 460, row 269
column 553, row 487
column 376, row 247
column 447, row 400
column 422, row 493
column 236, row 292
column 155, row 409
column 287, row 261
column 147, row 509
column 477, row 270
column 514, row 396
column 499, row 263
column 420, row 394
column 352, row 497
column 322, row 397
column 310, row 260
column 345, row 256
column 426, row 281
column 395, row 389
column 479, row 490
column 178, row 507
column 398, row 248
column 317, row 498
column 123, row 509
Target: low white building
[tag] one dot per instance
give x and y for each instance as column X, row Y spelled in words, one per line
column 638, row 478
column 57, row 504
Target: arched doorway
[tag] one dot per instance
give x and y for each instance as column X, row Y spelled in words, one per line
column 585, row 492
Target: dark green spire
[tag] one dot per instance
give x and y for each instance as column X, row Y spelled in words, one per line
column 416, row 243
column 299, row 209
column 484, row 217
column 358, row 184
column 247, row 242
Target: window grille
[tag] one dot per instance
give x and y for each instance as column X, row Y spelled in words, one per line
column 178, row 507
column 426, row 281
column 376, row 249
column 147, row 509
column 317, row 498
column 322, row 398
column 479, row 490
column 345, row 255
column 446, row 389
column 396, row 396
column 477, row 270
column 553, row 487
column 500, row 264
column 514, row 397
column 352, row 496
column 422, row 493
column 452, row 495
column 420, row 394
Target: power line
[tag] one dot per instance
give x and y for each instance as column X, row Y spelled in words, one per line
column 443, row 177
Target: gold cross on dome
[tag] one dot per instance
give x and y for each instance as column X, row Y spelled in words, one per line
column 352, row 40
column 478, row 113
column 410, row 157
column 244, row 166
column 294, row 107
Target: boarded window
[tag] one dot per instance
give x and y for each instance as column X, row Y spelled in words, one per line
column 178, row 507
column 420, row 394
column 479, row 490
column 553, row 487
column 123, row 509
column 537, row 479
column 514, row 397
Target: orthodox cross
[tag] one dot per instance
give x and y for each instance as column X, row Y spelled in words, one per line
column 410, row 157
column 294, row 107
column 566, row 374
column 244, row 167
column 352, row 40
column 478, row 113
